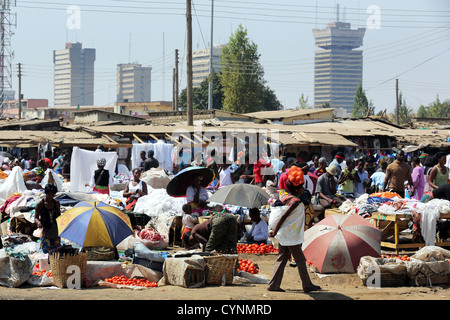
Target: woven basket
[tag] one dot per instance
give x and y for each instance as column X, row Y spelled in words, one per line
column 219, row 267
column 59, row 264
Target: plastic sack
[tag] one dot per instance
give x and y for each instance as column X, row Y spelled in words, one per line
column 156, row 178
column 275, row 215
column 142, row 251
column 182, row 271
column 13, row 184
column 14, row 272
column 431, row 253
column 40, row 281
column 52, row 177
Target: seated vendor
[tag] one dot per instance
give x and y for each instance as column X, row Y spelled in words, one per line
column 196, row 195
column 326, row 188
column 134, row 190
column 442, row 192
column 259, row 232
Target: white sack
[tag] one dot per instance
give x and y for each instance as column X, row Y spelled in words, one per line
column 13, row 184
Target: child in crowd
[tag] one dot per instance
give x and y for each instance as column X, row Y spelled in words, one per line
column 189, row 219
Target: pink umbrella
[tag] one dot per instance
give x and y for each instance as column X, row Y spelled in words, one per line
column 337, row 243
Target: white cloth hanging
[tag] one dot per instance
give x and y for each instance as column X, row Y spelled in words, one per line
column 83, row 163
column 163, row 153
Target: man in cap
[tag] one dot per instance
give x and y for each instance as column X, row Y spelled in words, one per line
column 337, row 161
column 422, row 159
column 326, row 188
column 102, row 179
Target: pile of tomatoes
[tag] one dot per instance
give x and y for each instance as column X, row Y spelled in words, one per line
column 247, row 266
column 394, row 256
column 123, row 280
column 43, row 272
column 255, row 248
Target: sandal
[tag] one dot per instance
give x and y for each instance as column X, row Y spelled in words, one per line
column 312, row 288
column 278, row 290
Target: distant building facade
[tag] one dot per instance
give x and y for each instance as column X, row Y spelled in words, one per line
column 200, row 64
column 338, row 68
column 73, row 76
column 133, row 83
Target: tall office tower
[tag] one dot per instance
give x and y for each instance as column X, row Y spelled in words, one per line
column 73, row 76
column 200, row 64
column 338, row 67
column 133, row 83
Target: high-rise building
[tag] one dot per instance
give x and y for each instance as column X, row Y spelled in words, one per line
column 133, row 83
column 338, row 68
column 200, row 64
column 73, row 76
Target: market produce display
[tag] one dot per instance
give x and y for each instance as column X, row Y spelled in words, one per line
column 395, row 256
column 247, row 266
column 255, row 248
column 123, row 280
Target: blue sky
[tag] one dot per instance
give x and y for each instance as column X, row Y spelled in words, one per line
column 410, row 41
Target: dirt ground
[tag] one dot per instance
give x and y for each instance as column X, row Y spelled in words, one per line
column 334, row 287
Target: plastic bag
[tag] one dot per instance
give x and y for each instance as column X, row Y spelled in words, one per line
column 13, row 184
column 14, row 272
column 40, row 281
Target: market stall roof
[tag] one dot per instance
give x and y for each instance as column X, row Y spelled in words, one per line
column 327, row 133
column 323, row 138
column 30, row 138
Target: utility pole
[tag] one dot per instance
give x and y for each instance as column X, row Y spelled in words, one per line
column 176, row 80
column 211, row 71
column 190, row 116
column 19, row 74
column 397, row 105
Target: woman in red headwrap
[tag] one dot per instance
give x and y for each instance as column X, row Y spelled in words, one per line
column 289, row 231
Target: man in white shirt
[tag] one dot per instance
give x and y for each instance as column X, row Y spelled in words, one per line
column 226, row 175
column 259, row 232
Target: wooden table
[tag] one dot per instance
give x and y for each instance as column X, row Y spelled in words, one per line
column 395, row 223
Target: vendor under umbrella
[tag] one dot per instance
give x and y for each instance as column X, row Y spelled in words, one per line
column 196, row 194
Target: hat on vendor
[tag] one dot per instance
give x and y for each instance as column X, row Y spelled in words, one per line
column 101, row 162
column 332, row 170
column 423, row 156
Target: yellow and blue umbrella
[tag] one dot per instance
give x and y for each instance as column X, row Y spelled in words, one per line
column 94, row 224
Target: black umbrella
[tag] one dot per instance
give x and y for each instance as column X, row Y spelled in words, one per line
column 178, row 185
column 5, row 154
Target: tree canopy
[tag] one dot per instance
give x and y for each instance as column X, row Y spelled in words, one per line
column 242, row 74
column 361, row 106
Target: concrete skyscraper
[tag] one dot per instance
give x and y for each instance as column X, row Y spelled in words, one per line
column 133, row 83
column 200, row 64
column 338, row 68
column 73, row 76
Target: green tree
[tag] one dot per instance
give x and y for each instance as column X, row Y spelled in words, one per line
column 270, row 100
column 438, row 109
column 404, row 111
column 361, row 106
column 422, row 112
column 242, row 74
column 201, row 95
column 303, row 102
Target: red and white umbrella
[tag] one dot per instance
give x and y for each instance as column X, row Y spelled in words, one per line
column 337, row 243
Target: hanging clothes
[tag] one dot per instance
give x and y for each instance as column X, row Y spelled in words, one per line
column 83, row 163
